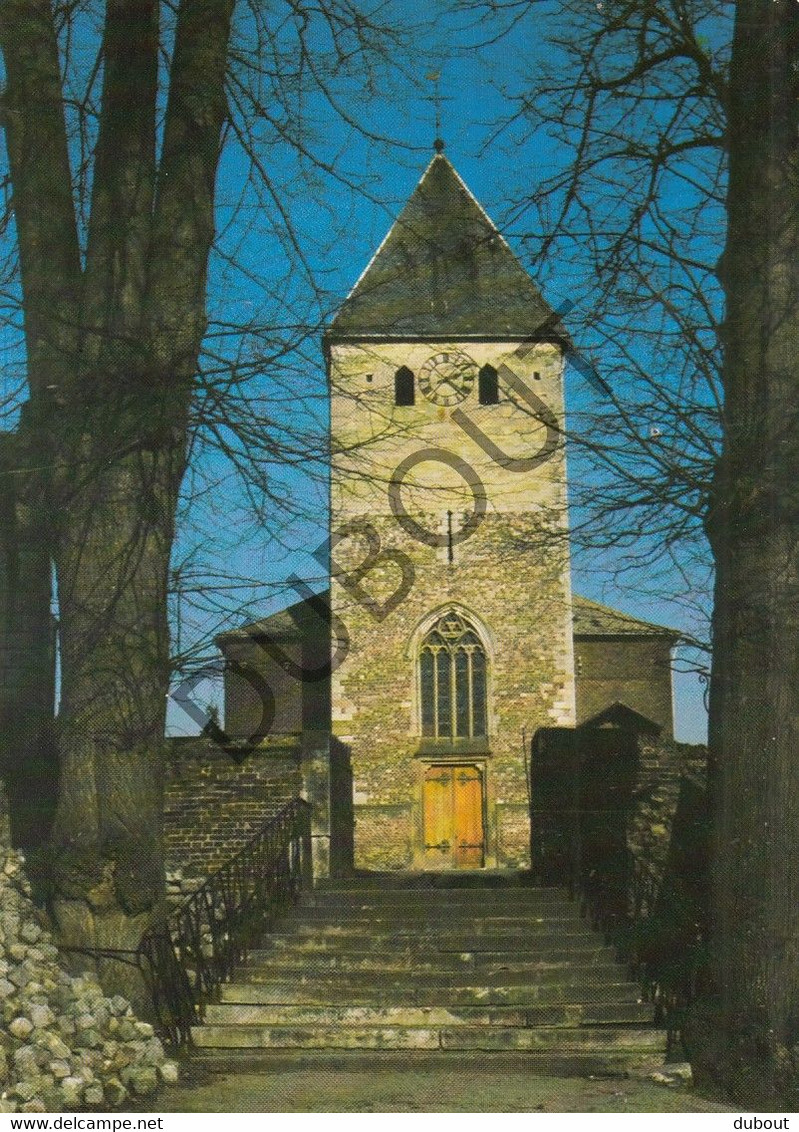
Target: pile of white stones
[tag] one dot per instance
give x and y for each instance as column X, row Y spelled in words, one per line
column 63, row 1043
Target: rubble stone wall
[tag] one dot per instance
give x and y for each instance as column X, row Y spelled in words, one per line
column 497, row 556
column 663, row 766
column 64, row 1044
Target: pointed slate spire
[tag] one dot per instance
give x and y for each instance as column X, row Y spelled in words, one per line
column 444, row 271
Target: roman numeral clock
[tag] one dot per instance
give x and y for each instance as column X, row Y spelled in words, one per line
column 447, row 378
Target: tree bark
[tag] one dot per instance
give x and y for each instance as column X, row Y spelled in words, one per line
column 748, row 1037
column 28, row 757
column 113, row 563
column 113, row 348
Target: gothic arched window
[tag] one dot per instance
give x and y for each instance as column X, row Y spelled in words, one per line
column 452, row 674
column 488, row 386
column 404, row 392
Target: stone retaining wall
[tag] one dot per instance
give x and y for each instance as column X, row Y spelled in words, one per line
column 663, row 768
column 64, row 1044
column 214, row 804
column 648, row 783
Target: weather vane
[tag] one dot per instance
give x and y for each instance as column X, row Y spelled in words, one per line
column 437, row 99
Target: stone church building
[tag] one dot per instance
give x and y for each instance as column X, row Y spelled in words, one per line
column 450, row 635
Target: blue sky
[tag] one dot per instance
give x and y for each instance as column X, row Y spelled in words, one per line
column 339, row 221
column 371, row 139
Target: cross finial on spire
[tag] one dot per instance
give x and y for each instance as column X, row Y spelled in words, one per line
column 437, row 98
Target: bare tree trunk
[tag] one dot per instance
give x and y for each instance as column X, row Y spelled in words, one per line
column 113, row 349
column 113, row 563
column 28, row 756
column 749, row 1041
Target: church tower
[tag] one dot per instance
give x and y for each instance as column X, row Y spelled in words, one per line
column 450, row 592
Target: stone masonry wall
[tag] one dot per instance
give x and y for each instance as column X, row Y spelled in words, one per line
column 213, row 805
column 63, row 1043
column 510, row 578
column 663, row 764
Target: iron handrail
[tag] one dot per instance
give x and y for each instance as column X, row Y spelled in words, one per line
column 185, row 957
column 628, row 907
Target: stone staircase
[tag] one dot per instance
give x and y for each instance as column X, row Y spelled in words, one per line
column 437, row 965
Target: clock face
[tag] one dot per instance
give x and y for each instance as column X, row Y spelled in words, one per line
column 447, row 378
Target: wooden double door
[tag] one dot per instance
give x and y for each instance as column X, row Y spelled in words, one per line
column 454, row 827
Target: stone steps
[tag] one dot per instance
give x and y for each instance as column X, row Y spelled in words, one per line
column 396, row 962
column 485, row 881
column 337, row 1036
column 582, row 1062
column 377, row 928
column 316, row 906
column 230, row 1012
column 556, row 974
column 325, row 991
column 317, row 919
column 432, row 969
column 429, row 943
column 437, row 898
column 579, row 952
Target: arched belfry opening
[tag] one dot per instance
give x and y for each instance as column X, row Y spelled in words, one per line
column 404, row 387
column 488, row 385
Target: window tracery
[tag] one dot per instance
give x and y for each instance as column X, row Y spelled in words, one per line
column 453, row 680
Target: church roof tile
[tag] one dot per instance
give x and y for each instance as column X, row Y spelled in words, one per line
column 444, row 271
column 591, row 619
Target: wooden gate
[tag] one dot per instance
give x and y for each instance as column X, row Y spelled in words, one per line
column 454, row 832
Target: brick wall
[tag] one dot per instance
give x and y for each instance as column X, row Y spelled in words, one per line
column 633, row 672
column 213, row 806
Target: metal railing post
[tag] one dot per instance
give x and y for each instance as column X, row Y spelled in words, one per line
column 190, row 953
column 306, row 850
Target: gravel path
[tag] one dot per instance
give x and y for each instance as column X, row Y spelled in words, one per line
column 341, row 1089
